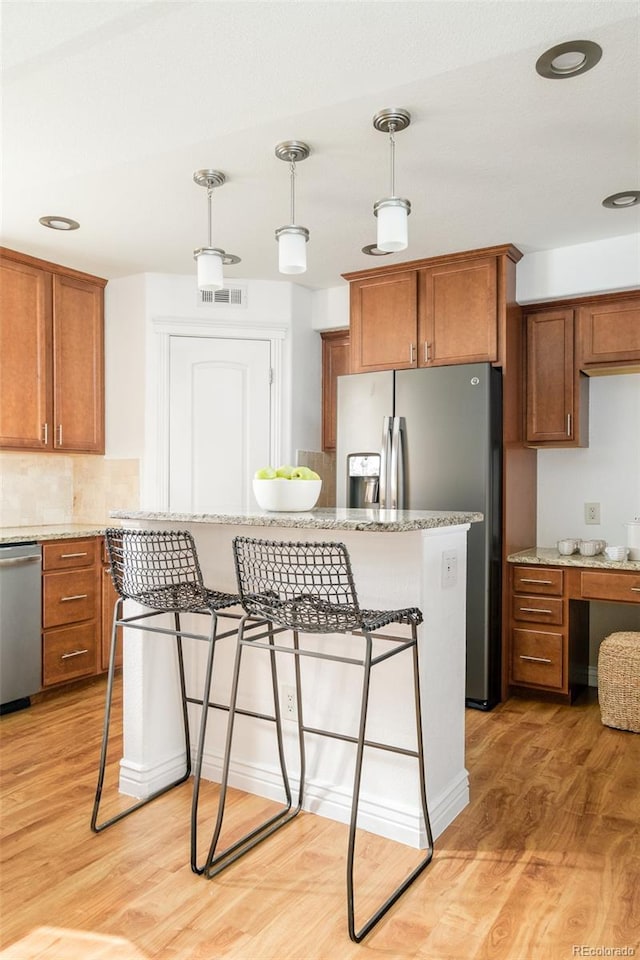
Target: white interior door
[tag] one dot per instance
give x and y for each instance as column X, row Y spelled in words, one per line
column 219, row 421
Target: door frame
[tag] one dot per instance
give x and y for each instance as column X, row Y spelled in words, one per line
column 155, row 481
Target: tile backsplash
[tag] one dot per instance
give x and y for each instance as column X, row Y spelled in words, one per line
column 51, row 488
column 324, row 465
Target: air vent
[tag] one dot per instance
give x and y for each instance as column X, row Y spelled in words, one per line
column 229, row 296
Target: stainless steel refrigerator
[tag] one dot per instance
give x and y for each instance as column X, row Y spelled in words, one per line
column 431, row 439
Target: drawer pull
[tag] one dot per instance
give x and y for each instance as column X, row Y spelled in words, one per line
column 635, row 589
column 534, row 610
column 525, row 580
column 536, row 659
column 68, row 556
column 74, row 653
column 77, row 596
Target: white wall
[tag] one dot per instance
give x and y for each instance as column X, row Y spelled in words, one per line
column 606, row 472
column 584, row 268
column 131, row 306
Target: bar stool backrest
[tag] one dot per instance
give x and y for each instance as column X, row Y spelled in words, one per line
column 159, row 569
column 301, row 586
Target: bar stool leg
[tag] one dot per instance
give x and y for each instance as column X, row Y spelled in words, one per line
column 358, row 935
column 217, row 862
column 98, row 827
column 206, row 693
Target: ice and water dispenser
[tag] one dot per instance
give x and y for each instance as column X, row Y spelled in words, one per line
column 363, row 480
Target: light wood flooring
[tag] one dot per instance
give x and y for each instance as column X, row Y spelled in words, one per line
column 544, row 862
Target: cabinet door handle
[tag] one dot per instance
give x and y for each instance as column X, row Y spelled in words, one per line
column 534, row 610
column 568, row 424
column 536, row 659
column 77, row 596
column 45, row 433
column 412, row 352
column 68, row 556
column 426, row 351
column 525, row 580
column 74, row 653
column 59, row 434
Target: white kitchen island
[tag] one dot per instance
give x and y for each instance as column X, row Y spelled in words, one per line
column 399, row 559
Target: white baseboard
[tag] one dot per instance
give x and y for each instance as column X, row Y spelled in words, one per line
column 395, row 823
column 326, row 800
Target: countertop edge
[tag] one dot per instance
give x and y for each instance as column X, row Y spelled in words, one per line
column 549, row 556
column 323, row 519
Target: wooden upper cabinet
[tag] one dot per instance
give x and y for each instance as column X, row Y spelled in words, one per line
column 51, row 356
column 25, row 348
column 384, row 313
column 78, row 365
column 609, row 332
column 443, row 310
column 557, row 399
column 336, row 360
column 458, row 316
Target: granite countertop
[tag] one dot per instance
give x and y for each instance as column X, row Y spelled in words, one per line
column 550, row 557
column 325, row 518
column 58, row 531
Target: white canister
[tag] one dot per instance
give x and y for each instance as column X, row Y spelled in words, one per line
column 633, row 538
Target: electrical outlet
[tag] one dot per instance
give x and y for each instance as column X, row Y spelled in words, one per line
column 449, row 567
column 592, row 513
column 288, row 701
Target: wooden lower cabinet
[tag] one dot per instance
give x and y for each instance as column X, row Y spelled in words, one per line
column 548, row 635
column 71, row 610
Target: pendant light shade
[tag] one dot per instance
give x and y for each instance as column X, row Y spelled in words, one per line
column 210, row 259
column 209, row 265
column 292, row 239
column 392, row 212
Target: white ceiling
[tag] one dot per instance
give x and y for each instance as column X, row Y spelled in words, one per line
column 109, row 107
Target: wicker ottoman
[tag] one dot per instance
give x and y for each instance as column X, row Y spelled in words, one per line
column 619, row 681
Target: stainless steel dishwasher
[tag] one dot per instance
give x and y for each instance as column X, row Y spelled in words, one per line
column 20, row 624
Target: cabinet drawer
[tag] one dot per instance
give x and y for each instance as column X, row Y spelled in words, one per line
column 536, row 658
column 69, row 597
column 604, row 585
column 538, row 609
column 69, row 653
column 66, row 554
column 538, row 580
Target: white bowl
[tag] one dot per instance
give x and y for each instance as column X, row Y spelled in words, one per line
column 590, row 548
column 617, row 553
column 292, row 496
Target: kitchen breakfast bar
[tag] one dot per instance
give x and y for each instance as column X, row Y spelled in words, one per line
column 399, row 559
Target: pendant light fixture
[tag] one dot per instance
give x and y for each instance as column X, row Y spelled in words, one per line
column 292, row 239
column 210, row 259
column 392, row 211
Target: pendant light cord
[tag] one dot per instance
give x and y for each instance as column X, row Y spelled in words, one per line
column 392, row 145
column 209, row 198
column 292, row 169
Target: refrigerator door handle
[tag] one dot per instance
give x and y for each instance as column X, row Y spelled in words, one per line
column 395, row 477
column 385, row 450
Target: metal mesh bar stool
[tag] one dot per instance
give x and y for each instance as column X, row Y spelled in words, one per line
column 308, row 588
column 160, row 571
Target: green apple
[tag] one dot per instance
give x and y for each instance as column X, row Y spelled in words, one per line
column 313, row 475
column 265, row 473
column 301, row 473
column 284, row 472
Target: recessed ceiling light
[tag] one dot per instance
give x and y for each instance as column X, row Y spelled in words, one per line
column 372, row 250
column 627, row 198
column 568, row 59
column 59, row 223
